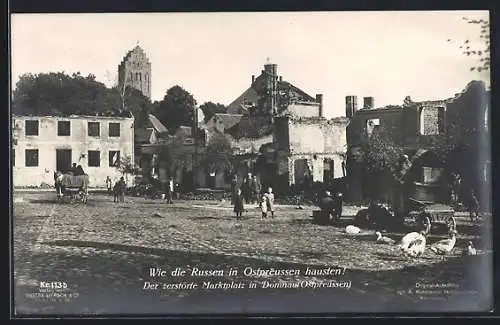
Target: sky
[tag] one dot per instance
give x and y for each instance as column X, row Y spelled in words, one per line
column 383, row 54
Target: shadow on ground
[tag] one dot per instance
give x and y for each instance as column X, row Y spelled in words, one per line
column 109, row 279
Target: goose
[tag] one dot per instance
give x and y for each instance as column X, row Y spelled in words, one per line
column 471, row 250
column 384, row 240
column 352, row 230
column 445, row 246
column 413, row 243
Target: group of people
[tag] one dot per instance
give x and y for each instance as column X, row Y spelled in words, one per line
column 250, row 188
column 118, row 190
column 76, row 170
column 250, row 192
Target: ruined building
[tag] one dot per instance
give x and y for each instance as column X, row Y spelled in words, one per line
column 427, row 125
column 135, row 71
column 296, row 145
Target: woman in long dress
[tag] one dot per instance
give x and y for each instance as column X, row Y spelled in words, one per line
column 238, row 204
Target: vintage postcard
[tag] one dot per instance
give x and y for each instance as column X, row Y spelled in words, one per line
column 251, row 163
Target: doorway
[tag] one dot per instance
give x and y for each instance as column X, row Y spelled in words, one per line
column 328, row 170
column 63, row 160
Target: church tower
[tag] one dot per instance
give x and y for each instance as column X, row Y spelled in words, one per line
column 135, row 71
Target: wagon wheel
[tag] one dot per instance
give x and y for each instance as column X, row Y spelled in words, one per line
column 451, row 223
column 425, row 220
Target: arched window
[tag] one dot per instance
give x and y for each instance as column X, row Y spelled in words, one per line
column 137, row 76
column 140, row 76
column 131, row 76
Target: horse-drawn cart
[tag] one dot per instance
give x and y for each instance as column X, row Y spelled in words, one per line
column 417, row 214
column 73, row 187
column 437, row 214
column 412, row 203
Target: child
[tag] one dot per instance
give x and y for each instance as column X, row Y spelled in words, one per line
column 263, row 206
column 108, row 184
column 238, row 204
column 270, row 201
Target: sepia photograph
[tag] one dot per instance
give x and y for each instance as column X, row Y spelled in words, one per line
column 250, row 163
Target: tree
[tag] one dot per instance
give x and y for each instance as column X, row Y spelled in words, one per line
column 380, row 152
column 479, row 49
column 177, row 108
column 139, row 105
column 176, row 154
column 218, row 156
column 126, row 167
column 57, row 93
column 210, row 108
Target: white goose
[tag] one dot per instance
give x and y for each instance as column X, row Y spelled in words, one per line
column 383, row 239
column 471, row 250
column 352, row 230
column 413, row 243
column 445, row 246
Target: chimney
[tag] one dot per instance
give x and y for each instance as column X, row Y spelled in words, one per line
column 319, row 99
column 368, row 103
column 253, row 79
column 351, row 106
column 271, row 69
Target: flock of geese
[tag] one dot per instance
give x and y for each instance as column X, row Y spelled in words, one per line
column 413, row 244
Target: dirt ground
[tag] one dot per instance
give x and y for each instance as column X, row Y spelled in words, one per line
column 104, row 251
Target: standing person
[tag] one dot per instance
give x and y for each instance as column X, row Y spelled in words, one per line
column 473, row 206
column 257, row 187
column 270, row 201
column 170, row 190
column 238, row 204
column 162, row 176
column 108, row 184
column 263, row 206
column 245, row 189
column 234, row 185
column 119, row 191
column 251, row 190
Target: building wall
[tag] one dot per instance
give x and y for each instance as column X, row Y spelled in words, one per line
column 303, row 110
column 311, row 141
column 390, row 119
column 78, row 141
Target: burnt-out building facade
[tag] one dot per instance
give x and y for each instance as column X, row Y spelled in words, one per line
column 460, row 122
column 301, row 145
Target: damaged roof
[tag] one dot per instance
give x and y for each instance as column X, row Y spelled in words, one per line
column 229, row 120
